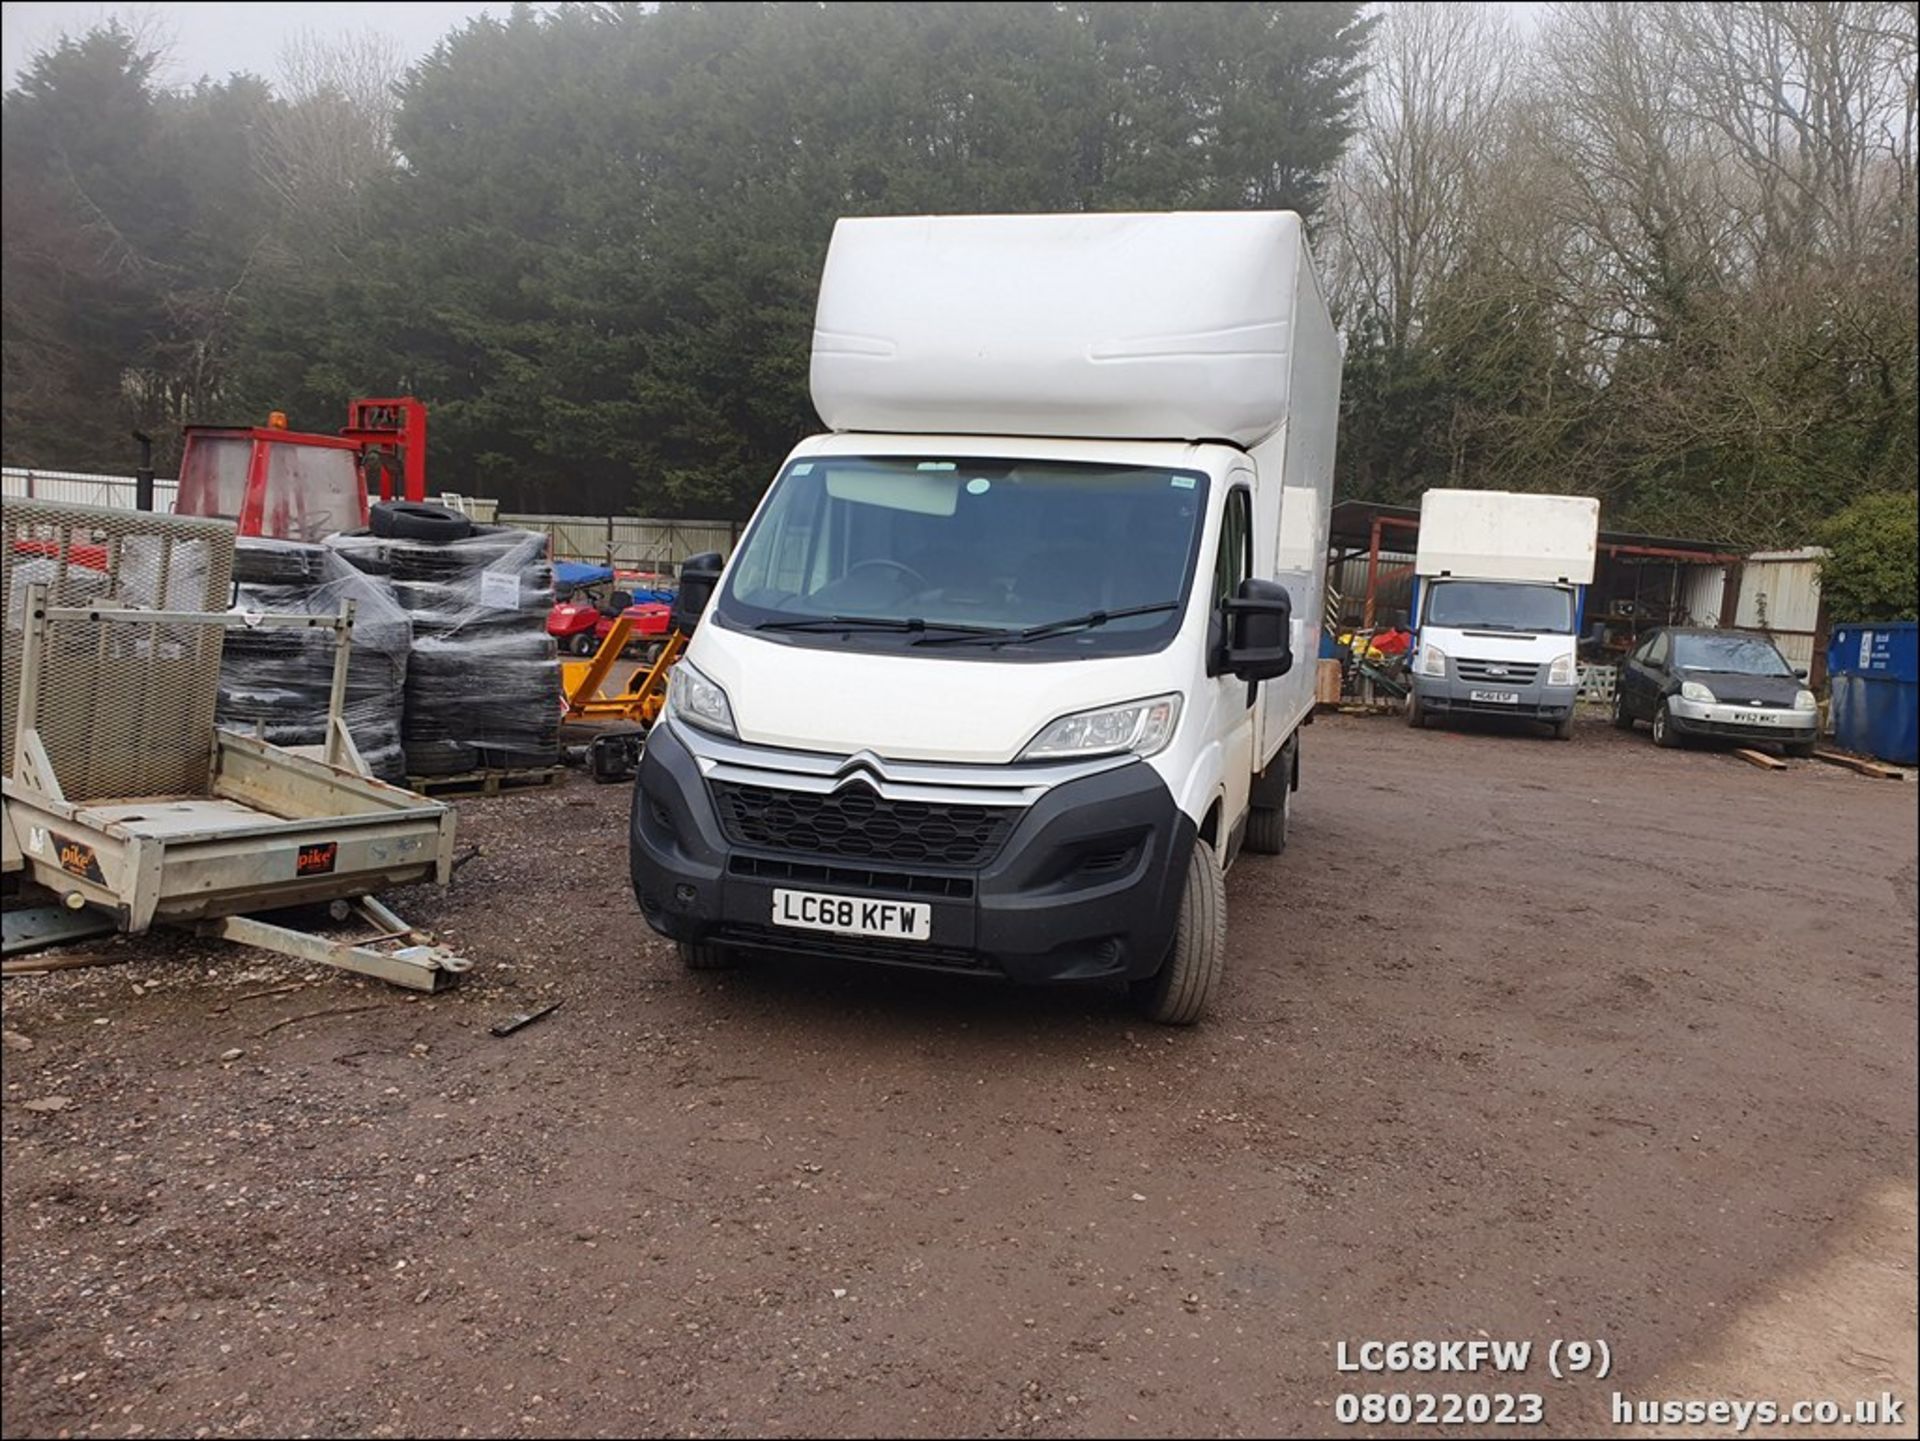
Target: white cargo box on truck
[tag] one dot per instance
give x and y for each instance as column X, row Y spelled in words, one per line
column 1147, row 327
column 1508, row 535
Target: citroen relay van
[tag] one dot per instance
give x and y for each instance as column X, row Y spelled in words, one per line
column 1012, row 663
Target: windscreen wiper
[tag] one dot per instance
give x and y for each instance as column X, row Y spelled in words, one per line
column 911, row 624
column 1089, row 621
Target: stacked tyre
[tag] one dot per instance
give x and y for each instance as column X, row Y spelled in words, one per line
column 277, row 682
column 482, row 677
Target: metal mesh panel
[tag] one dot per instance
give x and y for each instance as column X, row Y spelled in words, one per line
column 126, row 709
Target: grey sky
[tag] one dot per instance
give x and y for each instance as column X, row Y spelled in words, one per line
column 208, row 38
column 211, row 38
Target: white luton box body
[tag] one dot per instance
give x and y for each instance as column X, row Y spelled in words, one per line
column 1146, row 327
column 1508, row 535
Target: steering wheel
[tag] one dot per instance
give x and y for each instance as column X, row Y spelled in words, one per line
column 906, row 572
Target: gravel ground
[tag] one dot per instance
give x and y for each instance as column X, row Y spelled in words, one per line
column 1521, row 1040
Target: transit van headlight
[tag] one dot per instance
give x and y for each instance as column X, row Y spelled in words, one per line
column 1433, row 662
column 1805, row 700
column 698, row 701
column 1693, row 690
column 1141, row 726
column 1564, row 671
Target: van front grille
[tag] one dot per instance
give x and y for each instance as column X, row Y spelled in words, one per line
column 1499, row 672
column 856, row 823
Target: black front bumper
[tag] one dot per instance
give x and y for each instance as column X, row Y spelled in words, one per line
column 1085, row 888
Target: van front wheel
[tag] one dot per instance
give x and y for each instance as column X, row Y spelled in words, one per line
column 1179, row 994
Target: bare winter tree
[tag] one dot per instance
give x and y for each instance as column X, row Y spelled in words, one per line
column 332, row 137
column 1816, row 104
column 1430, row 130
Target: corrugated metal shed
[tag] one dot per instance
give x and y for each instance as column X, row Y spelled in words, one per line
column 1703, row 590
column 1780, row 595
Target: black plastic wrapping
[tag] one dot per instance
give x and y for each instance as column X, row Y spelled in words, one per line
column 483, row 681
column 277, row 682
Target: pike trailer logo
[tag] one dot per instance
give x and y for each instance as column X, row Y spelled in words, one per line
column 316, row 860
column 78, row 859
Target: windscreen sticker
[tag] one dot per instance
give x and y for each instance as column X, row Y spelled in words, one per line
column 979, row 485
column 806, row 469
column 936, row 465
column 1183, row 482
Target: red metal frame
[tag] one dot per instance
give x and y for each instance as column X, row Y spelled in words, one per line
column 385, row 435
column 392, row 427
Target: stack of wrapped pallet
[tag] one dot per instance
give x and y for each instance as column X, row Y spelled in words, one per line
column 482, row 681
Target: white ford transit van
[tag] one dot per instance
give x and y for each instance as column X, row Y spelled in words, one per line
column 1011, row 665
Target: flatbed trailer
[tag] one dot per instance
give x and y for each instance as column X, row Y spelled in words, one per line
column 124, row 800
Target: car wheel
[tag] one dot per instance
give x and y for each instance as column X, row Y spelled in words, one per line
column 1800, row 750
column 1178, row 995
column 1664, row 735
column 1622, row 717
column 706, row 956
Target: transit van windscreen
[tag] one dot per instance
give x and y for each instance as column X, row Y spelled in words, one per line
column 1034, row 559
column 1499, row 605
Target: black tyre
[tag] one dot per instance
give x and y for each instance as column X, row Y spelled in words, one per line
column 1800, row 750
column 1267, row 825
column 1622, row 717
column 653, row 652
column 1563, row 729
column 416, row 520
column 1416, row 713
column 1187, row 979
column 1664, row 735
column 585, row 643
column 706, row 956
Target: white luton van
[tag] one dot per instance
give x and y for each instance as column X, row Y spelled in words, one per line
column 1009, row 666
column 1501, row 579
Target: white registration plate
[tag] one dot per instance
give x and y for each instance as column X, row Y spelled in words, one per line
column 1494, row 697
column 853, row 915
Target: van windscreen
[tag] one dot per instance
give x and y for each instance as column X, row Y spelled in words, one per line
column 902, row 547
column 1499, row 605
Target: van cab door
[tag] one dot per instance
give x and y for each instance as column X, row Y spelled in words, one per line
column 1235, row 714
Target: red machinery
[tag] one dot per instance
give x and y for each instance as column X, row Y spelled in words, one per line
column 296, row 485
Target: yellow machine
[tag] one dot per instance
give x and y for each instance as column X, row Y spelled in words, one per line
column 627, row 711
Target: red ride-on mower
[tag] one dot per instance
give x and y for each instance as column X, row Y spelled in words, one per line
column 588, row 607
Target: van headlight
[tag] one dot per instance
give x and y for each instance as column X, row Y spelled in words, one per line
column 1141, row 726
column 1565, row 670
column 1433, row 662
column 1805, row 700
column 698, row 701
column 1693, row 690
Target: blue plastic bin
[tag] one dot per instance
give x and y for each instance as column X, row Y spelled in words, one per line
column 1875, row 673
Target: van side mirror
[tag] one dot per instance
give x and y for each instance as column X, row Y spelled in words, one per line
column 699, row 574
column 1259, row 631
column 1800, row 673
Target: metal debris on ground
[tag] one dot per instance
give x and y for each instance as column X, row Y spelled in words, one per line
column 524, row 1019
